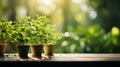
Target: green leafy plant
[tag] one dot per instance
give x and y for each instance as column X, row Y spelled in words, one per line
column 43, row 32
column 37, row 32
column 51, row 35
column 5, row 35
column 5, row 30
column 21, row 33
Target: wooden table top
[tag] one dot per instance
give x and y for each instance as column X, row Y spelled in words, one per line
column 66, row 57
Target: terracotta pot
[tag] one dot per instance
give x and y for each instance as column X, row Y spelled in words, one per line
column 49, row 50
column 2, row 50
column 36, row 51
column 23, row 51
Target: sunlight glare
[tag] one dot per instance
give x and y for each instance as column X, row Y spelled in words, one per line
column 21, row 11
column 84, row 7
column 72, row 47
column 115, row 31
column 76, row 1
column 66, row 34
column 93, row 14
column 64, row 43
column 47, row 2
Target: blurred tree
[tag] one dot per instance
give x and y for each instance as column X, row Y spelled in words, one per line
column 12, row 7
column 66, row 14
column 108, row 13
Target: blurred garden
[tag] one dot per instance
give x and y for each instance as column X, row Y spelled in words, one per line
column 88, row 26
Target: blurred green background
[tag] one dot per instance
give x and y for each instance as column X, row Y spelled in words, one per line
column 89, row 26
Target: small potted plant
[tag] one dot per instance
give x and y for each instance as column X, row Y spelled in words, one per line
column 5, row 34
column 50, row 39
column 36, row 38
column 21, row 36
column 49, row 44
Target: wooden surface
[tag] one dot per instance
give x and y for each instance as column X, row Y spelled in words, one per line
column 66, row 57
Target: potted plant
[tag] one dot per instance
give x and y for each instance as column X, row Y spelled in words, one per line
column 43, row 33
column 50, row 42
column 21, row 36
column 36, row 37
column 50, row 39
column 5, row 34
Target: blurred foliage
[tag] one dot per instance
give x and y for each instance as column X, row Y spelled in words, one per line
column 108, row 13
column 91, row 39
